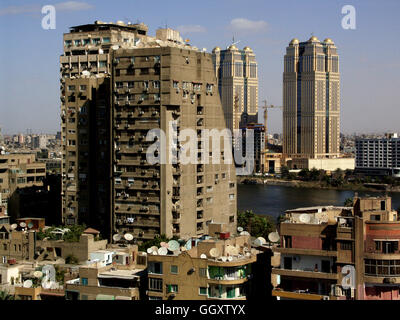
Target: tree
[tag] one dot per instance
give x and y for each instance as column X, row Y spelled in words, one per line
column 71, row 259
column 284, row 172
column 304, row 174
column 256, row 225
column 4, row 295
column 348, row 202
column 314, row 174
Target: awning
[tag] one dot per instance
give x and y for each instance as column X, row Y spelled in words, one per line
column 104, row 297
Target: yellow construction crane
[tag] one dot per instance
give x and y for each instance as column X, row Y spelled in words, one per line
column 265, row 107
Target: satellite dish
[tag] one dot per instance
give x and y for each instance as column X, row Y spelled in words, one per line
column 244, row 233
column 188, row 245
column 13, row 226
column 149, row 250
column 273, row 237
column 115, row 47
column 224, row 259
column 230, row 258
column 22, row 224
column 28, row 284
column 30, row 225
column 164, row 244
column 154, row 248
column 154, row 253
column 128, row 236
column 173, row 245
column 162, row 251
column 305, row 218
column 203, row 256
column 117, row 237
column 239, row 229
column 38, row 274
column 214, row 252
column 263, row 241
column 257, row 242
column 85, row 73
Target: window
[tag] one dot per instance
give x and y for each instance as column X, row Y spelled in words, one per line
column 71, row 88
column 82, row 87
column 288, row 241
column 175, row 84
column 203, row 272
column 86, row 41
column 174, row 269
column 106, row 40
column 231, row 196
column 172, row 288
column 203, row 291
column 84, row 281
column 77, row 42
column 155, row 284
column 102, row 64
column 155, row 267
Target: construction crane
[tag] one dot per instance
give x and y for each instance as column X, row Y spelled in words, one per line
column 265, row 107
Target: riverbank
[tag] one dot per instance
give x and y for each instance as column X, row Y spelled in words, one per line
column 316, row 184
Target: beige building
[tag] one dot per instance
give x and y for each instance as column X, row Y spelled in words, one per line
column 154, row 80
column 322, row 163
column 195, row 275
column 236, row 72
column 19, row 171
column 311, row 99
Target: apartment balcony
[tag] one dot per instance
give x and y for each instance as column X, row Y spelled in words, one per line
column 305, row 274
column 300, row 295
column 308, row 252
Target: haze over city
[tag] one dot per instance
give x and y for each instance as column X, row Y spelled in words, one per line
column 368, row 54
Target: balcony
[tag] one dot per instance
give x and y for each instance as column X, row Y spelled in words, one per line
column 308, row 252
column 299, row 295
column 305, row 274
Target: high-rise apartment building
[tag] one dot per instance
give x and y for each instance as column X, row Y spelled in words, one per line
column 146, row 83
column 236, row 72
column 311, row 99
column 379, row 156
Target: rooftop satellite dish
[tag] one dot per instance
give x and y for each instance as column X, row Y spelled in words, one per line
column 214, row 252
column 28, row 284
column 117, row 237
column 263, row 241
column 128, row 236
column 154, row 248
column 149, row 250
column 239, row 229
column 30, row 225
column 257, row 242
column 115, row 47
column 230, row 258
column 173, row 245
column 305, row 218
column 22, row 224
column 13, row 226
column 38, row 274
column 162, row 251
column 203, row 256
column 248, row 254
column 273, row 237
column 164, row 244
column 244, row 233
column 224, row 259
column 155, row 253
column 188, row 244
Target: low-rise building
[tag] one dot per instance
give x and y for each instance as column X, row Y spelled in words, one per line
column 213, row 268
column 319, row 246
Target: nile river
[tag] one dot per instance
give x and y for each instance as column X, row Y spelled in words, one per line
column 274, row 200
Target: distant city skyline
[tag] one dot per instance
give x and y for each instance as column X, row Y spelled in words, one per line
column 29, row 68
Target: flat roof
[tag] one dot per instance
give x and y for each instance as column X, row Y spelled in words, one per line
column 120, row 274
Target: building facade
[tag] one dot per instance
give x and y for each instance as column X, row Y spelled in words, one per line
column 311, row 99
column 145, row 83
column 320, row 245
column 236, row 72
column 379, row 156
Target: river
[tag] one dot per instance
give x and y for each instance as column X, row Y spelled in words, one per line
column 274, row 200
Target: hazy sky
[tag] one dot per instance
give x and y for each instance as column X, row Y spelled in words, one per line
column 369, row 55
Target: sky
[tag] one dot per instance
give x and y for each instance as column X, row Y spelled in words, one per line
column 369, row 54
